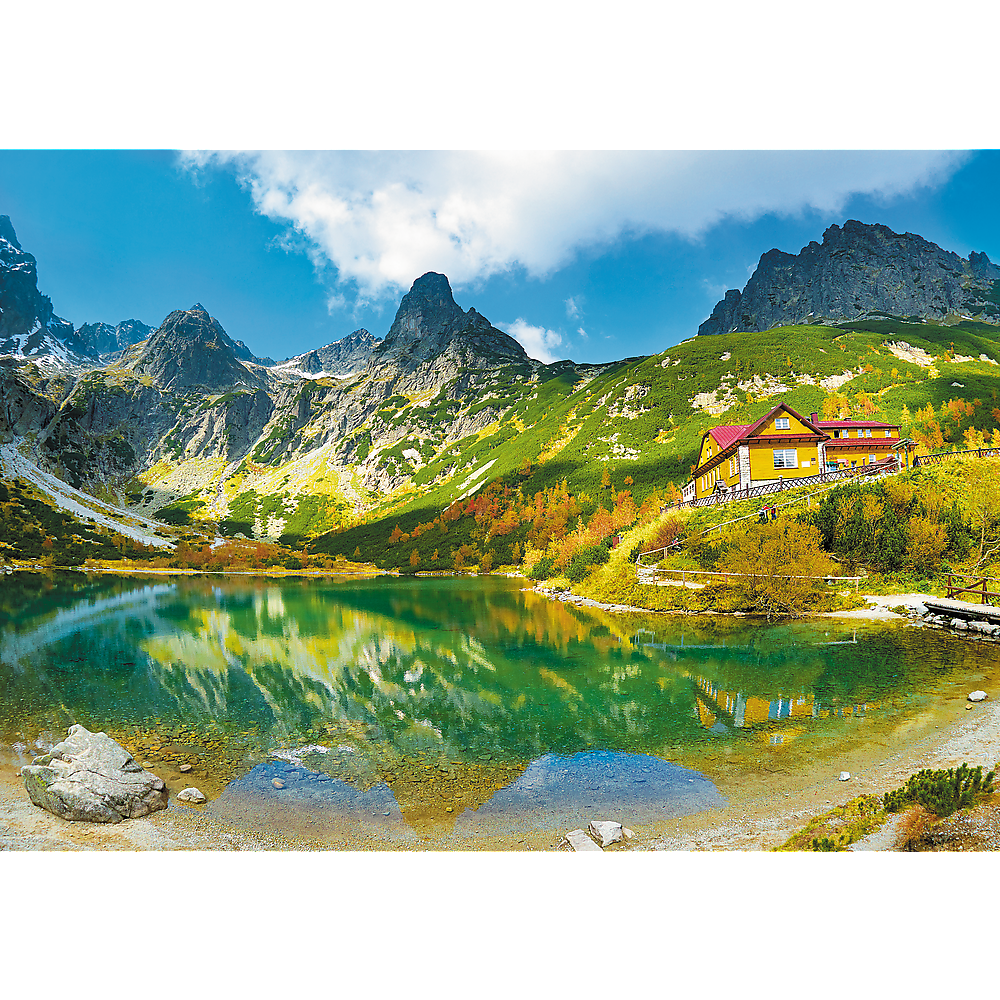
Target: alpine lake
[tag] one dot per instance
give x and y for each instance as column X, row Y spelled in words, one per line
column 456, row 712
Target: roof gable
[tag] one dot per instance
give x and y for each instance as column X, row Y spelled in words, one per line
column 755, row 428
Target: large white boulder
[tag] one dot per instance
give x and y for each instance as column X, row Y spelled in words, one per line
column 606, row 832
column 90, row 777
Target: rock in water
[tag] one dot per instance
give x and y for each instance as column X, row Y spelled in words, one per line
column 92, row 778
column 845, row 775
column 190, row 795
column 977, row 696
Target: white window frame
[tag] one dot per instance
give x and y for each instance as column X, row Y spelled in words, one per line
column 786, row 462
column 872, row 459
column 782, row 424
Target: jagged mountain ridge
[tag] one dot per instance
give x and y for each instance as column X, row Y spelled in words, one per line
column 340, row 359
column 860, row 271
column 183, row 395
column 429, row 322
column 437, row 411
column 190, row 349
column 106, row 342
column 28, row 325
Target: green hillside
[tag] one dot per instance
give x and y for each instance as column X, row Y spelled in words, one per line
column 642, row 420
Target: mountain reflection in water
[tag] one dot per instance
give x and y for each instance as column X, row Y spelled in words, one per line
column 457, row 671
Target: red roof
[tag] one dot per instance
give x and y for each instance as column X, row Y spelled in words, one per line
column 728, row 433
column 841, row 424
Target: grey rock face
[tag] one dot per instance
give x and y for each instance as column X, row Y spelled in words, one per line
column 28, row 326
column 105, row 341
column 191, row 350
column 859, row 271
column 429, row 321
column 91, row 778
column 340, row 359
column 21, row 408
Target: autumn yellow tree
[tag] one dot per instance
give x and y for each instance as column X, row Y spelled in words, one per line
column 776, row 563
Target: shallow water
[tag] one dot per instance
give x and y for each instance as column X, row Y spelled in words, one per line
column 466, row 705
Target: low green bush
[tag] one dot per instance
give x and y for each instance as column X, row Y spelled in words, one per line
column 942, row 792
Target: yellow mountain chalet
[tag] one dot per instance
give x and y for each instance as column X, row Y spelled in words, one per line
column 785, row 445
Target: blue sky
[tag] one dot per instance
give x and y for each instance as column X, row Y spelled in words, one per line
column 292, row 251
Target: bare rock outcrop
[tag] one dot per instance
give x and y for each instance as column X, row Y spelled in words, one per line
column 91, row 778
column 860, row 271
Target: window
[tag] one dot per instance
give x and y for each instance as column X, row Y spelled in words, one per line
column 872, row 458
column 888, row 434
column 785, row 458
column 868, row 432
column 782, row 424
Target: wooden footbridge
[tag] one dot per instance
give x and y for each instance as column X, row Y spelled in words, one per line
column 962, row 584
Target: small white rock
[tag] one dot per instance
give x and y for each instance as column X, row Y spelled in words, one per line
column 977, row 696
column 606, row 831
column 190, row 795
column 628, row 833
column 845, row 775
column 579, row 841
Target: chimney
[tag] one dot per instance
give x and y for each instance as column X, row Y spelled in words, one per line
column 813, row 417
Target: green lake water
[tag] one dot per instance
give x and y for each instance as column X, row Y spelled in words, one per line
column 462, row 702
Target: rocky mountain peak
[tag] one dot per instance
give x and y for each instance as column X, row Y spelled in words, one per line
column 860, row 270
column 425, row 310
column 343, row 357
column 190, row 348
column 29, row 327
column 429, row 321
column 105, row 340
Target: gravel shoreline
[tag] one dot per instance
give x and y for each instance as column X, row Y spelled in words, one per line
column 773, row 809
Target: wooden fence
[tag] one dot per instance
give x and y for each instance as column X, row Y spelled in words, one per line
column 885, row 467
column 685, row 573
column 943, row 456
column 977, row 587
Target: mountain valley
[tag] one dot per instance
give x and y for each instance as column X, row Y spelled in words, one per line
column 341, row 447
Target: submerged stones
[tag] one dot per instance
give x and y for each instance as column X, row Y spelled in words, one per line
column 977, row 696
column 191, row 795
column 91, row 778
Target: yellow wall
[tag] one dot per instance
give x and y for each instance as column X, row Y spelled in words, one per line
column 762, row 455
column 795, row 426
column 705, row 482
column 762, row 461
column 877, row 448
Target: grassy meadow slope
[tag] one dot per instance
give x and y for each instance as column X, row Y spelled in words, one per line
column 642, row 420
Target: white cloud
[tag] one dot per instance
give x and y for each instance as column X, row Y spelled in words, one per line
column 384, row 218
column 573, row 307
column 536, row 340
column 583, row 333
